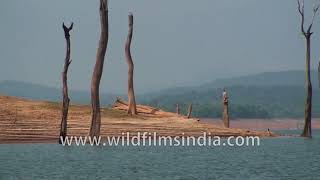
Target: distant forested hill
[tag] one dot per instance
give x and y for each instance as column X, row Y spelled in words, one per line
column 290, row 78
column 265, row 95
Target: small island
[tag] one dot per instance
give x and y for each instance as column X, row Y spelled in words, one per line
column 30, row 121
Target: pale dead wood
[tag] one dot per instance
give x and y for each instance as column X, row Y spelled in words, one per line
column 120, row 104
column 189, row 111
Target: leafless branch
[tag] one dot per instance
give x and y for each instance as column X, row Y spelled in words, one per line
column 301, row 11
column 315, row 11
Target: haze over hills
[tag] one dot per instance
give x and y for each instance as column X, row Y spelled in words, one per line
column 264, row 95
column 41, row 92
column 290, row 78
column 282, row 78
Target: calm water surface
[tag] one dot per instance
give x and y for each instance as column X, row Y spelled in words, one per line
column 279, row 158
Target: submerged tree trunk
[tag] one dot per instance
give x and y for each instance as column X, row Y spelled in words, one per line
column 307, row 34
column 66, row 99
column 319, row 74
column 132, row 108
column 307, row 121
column 98, row 68
column 189, row 111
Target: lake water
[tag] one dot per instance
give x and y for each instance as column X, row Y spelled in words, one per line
column 277, row 158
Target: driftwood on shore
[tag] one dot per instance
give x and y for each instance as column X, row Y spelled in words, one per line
column 122, row 105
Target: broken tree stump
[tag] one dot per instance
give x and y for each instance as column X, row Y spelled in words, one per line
column 177, row 109
column 189, row 111
column 226, row 120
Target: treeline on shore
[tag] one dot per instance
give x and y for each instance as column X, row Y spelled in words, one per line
column 245, row 102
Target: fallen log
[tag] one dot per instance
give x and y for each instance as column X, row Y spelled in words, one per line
column 122, row 105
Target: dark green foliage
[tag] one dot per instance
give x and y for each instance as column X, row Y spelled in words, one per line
column 245, row 102
column 264, row 95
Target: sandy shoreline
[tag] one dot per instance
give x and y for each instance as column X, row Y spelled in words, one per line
column 264, row 124
column 27, row 121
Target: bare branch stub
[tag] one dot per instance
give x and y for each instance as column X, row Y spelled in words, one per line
column 67, row 30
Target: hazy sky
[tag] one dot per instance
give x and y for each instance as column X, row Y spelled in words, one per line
column 176, row 42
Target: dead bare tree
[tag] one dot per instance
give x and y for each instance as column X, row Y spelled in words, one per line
column 319, row 74
column 98, row 69
column 307, row 34
column 189, row 111
column 132, row 108
column 66, row 99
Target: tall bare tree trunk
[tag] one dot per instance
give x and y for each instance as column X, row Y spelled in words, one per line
column 319, row 74
column 132, row 108
column 226, row 120
column 308, row 106
column 307, row 34
column 66, row 99
column 98, row 69
column 189, row 111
